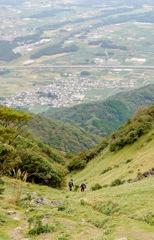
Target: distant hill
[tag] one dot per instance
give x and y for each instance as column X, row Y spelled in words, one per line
column 62, row 136
column 104, row 117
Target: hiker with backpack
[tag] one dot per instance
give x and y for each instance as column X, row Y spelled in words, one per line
column 83, row 186
column 70, row 184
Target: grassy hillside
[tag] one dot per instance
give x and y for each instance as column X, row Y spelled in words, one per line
column 123, row 212
column 124, row 164
column 62, row 136
column 110, row 213
column 104, row 117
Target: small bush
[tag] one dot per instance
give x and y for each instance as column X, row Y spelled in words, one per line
column 106, row 185
column 116, row 182
column 39, row 227
column 129, row 160
column 106, row 170
column 62, row 208
column 97, row 186
column 116, row 166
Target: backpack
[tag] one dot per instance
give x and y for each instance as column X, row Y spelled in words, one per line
column 83, row 186
column 70, row 184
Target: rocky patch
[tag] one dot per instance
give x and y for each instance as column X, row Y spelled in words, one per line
column 42, row 201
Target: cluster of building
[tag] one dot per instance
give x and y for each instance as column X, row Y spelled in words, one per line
column 64, row 91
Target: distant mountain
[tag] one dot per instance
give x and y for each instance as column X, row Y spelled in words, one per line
column 62, row 136
column 104, row 117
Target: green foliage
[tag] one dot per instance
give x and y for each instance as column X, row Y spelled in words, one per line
column 78, row 162
column 39, row 227
column 63, row 238
column 81, row 160
column 132, row 130
column 100, row 118
column 97, row 186
column 147, row 216
column 104, row 117
column 65, row 137
column 19, row 151
column 99, row 223
column 129, row 160
column 62, row 207
column 109, row 208
column 116, row 182
column 106, row 170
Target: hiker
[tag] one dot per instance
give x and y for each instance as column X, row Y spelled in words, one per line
column 83, row 186
column 70, row 184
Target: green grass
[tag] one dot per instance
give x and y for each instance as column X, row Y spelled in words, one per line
column 109, row 213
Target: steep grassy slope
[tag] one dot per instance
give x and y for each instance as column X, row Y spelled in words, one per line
column 124, row 164
column 104, row 117
column 62, row 136
column 110, row 213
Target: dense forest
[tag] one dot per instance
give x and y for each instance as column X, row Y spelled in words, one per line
column 62, row 136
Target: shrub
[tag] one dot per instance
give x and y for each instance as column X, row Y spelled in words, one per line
column 132, row 130
column 61, row 208
column 106, row 170
column 116, row 182
column 39, row 227
column 129, row 160
column 97, row 186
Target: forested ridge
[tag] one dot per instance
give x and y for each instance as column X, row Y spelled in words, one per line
column 104, row 117
column 62, row 136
